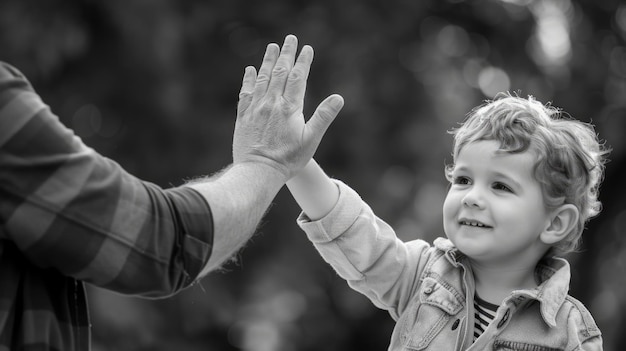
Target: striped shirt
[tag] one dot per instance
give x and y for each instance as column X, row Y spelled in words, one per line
column 484, row 314
column 68, row 216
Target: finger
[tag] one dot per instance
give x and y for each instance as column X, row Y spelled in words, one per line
column 247, row 90
column 283, row 66
column 295, row 87
column 263, row 78
column 249, row 80
column 323, row 116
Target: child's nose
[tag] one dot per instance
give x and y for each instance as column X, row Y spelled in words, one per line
column 473, row 198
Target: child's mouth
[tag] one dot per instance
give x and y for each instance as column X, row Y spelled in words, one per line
column 472, row 223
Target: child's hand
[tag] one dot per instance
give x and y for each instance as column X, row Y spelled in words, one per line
column 270, row 125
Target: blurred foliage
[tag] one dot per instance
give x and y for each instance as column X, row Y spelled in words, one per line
column 154, row 84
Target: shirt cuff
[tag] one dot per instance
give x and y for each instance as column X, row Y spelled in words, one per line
column 338, row 220
column 196, row 228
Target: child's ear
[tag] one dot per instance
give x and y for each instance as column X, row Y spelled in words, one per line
column 563, row 220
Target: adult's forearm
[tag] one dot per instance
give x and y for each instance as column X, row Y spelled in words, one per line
column 239, row 197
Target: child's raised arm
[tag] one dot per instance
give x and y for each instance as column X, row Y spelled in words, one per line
column 361, row 248
column 314, row 191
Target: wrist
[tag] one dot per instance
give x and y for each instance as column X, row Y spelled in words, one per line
column 262, row 172
column 241, row 177
column 238, row 197
column 314, row 191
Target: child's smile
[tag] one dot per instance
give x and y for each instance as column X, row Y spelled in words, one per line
column 473, row 223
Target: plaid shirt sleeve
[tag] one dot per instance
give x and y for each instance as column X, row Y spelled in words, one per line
column 67, row 207
column 68, row 214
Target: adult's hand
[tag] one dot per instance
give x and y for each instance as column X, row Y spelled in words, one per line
column 270, row 126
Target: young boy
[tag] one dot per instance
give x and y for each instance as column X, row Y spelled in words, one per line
column 524, row 181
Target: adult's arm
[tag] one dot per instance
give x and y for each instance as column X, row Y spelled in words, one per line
column 66, row 207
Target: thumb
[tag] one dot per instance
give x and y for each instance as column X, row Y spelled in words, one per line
column 323, row 116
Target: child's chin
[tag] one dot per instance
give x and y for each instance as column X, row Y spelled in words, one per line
column 469, row 247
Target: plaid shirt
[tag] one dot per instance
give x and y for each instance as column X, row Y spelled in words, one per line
column 69, row 215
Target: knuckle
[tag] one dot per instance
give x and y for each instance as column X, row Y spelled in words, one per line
column 262, row 78
column 279, row 71
column 245, row 95
column 295, row 75
column 287, row 106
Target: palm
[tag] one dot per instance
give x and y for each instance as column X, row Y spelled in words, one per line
column 270, row 125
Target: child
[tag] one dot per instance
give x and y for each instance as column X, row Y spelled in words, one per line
column 524, row 181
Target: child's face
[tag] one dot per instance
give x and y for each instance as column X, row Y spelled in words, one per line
column 494, row 211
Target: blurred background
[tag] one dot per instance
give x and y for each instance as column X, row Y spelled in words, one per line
column 153, row 84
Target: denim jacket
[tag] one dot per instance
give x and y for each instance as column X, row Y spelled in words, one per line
column 426, row 289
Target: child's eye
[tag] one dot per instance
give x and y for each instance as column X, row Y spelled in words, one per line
column 461, row 180
column 502, row 186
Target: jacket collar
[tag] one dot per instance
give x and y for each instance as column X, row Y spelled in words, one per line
column 454, row 255
column 553, row 275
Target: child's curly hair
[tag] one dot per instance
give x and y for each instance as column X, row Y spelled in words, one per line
column 570, row 158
